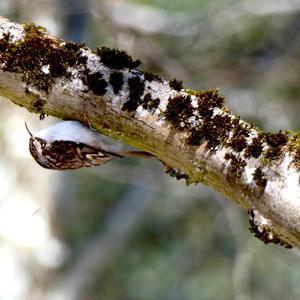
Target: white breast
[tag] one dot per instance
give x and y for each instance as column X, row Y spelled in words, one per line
column 76, row 132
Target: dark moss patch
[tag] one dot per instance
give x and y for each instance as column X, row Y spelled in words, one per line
column 4, row 42
column 178, row 111
column 95, row 83
column 176, row 84
column 59, row 59
column 254, row 149
column 212, row 130
column 176, row 174
column 264, row 233
column 208, row 100
column 34, row 51
column 116, row 59
column 240, row 132
column 150, row 77
column 238, row 143
column 42, row 116
column 136, row 89
column 68, row 54
column 227, row 156
column 116, row 80
column 259, row 177
column 82, row 60
column 277, row 139
column 275, row 142
column 38, row 104
column 196, row 137
column 149, row 103
column 236, row 166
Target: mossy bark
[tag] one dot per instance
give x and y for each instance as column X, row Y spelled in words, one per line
column 192, row 132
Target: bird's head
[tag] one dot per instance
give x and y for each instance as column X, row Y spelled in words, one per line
column 37, row 147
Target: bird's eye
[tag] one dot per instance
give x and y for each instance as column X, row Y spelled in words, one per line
column 42, row 143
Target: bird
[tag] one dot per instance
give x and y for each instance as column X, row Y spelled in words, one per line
column 70, row 145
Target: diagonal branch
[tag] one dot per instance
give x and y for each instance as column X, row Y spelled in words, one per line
column 192, row 132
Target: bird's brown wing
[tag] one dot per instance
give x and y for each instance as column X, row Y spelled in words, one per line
column 93, row 157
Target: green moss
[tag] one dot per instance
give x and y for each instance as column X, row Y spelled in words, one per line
column 294, row 147
column 116, row 80
column 294, row 142
column 191, row 92
column 259, row 177
column 176, row 84
column 34, row 51
column 178, row 111
column 116, row 59
column 95, row 83
column 31, row 28
column 136, row 89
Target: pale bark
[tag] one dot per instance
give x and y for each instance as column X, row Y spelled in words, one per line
column 204, row 142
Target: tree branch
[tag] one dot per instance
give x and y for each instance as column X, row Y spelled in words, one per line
column 192, row 132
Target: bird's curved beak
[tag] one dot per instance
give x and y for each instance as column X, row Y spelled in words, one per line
column 31, row 135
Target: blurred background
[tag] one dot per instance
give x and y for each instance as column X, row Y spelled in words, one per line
column 127, row 231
